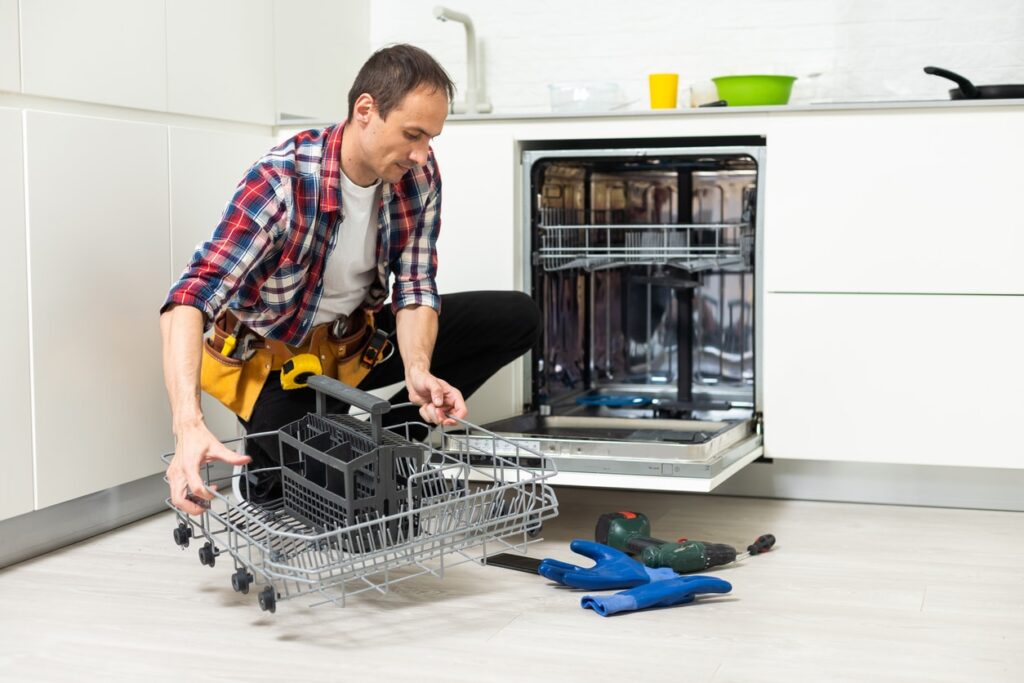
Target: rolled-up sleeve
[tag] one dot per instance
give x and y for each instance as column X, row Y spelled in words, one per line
column 415, row 279
column 252, row 221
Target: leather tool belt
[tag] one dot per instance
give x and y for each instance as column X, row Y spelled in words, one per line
column 237, row 380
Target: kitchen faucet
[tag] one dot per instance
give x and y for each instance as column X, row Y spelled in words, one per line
column 470, row 105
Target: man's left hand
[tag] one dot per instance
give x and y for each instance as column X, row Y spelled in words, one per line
column 436, row 398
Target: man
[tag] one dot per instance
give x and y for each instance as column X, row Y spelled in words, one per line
column 298, row 269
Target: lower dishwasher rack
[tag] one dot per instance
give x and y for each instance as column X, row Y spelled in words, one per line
column 454, row 502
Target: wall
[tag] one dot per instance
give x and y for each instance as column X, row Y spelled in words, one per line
column 865, row 50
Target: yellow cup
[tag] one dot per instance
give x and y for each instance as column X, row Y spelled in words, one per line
column 664, row 90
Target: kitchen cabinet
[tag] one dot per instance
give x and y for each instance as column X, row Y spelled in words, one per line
column 10, row 57
column 478, row 244
column 98, row 207
column 84, row 51
column 883, row 320
column 16, row 484
column 220, row 59
column 909, row 379
column 478, row 247
column 316, row 61
column 199, row 193
column 895, row 201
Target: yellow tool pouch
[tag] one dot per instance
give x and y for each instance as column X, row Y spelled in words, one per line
column 350, row 358
column 232, row 381
column 237, row 383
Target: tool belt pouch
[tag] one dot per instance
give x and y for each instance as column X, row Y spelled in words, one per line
column 350, row 358
column 232, row 381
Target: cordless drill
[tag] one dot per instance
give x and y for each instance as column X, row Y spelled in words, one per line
column 630, row 532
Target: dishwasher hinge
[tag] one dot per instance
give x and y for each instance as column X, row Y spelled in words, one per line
column 759, row 430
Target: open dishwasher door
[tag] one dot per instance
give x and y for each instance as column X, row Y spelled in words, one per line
column 645, row 262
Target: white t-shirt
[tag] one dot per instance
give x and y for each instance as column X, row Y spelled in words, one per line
column 352, row 265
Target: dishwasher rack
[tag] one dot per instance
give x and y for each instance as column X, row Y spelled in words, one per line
column 695, row 247
column 461, row 496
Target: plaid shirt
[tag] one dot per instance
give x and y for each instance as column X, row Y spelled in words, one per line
column 266, row 258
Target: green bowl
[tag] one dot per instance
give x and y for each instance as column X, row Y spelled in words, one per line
column 747, row 91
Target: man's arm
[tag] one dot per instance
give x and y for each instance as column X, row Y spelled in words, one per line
column 416, row 330
column 252, row 219
column 181, row 328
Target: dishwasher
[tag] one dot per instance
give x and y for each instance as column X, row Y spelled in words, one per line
column 644, row 257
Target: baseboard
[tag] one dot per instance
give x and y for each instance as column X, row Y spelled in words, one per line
column 953, row 487
column 42, row 531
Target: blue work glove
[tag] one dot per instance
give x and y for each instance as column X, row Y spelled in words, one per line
column 677, row 591
column 612, row 569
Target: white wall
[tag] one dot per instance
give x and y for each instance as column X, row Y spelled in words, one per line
column 865, row 50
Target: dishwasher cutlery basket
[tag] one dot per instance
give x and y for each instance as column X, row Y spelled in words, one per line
column 364, row 507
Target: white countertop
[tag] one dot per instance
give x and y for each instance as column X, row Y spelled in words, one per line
column 716, row 111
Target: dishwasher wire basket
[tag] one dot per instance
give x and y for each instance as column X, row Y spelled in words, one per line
column 417, row 509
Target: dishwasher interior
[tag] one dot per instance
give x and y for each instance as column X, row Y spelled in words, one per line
column 644, row 264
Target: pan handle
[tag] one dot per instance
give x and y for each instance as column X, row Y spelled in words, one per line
column 969, row 90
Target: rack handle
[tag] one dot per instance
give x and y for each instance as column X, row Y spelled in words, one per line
column 329, row 386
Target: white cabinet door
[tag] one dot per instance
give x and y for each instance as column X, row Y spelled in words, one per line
column 478, row 247
column 10, row 57
column 109, row 51
column 220, row 59
column 99, row 252
column 895, row 201
column 479, row 244
column 199, row 192
column 923, row 380
column 16, row 484
column 316, row 61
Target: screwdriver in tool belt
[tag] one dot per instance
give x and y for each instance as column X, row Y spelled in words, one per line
column 231, row 341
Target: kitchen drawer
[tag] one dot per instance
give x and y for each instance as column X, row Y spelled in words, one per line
column 922, row 380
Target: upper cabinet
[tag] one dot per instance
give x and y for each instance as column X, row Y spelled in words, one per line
column 254, row 61
column 107, row 51
column 220, row 59
column 10, row 58
column 319, row 45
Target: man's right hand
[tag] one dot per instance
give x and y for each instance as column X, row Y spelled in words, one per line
column 194, row 447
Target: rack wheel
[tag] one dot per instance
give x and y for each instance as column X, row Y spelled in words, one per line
column 241, row 580
column 534, row 527
column 182, row 533
column 206, row 555
column 268, row 600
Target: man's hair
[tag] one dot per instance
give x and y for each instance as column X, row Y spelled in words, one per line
column 393, row 72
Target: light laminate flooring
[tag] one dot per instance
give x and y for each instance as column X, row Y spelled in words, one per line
column 851, row 593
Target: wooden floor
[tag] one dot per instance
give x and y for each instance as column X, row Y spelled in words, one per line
column 852, row 593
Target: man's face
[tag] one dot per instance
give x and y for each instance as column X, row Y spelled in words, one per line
column 393, row 146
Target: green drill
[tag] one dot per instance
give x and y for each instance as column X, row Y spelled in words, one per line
column 630, row 532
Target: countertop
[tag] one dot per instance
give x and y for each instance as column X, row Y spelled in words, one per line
column 733, row 111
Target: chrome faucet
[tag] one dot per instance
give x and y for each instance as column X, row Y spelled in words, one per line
column 473, row 102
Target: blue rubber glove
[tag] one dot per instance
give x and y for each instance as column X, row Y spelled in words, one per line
column 612, row 569
column 678, row 591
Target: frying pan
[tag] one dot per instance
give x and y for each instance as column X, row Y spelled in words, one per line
column 969, row 91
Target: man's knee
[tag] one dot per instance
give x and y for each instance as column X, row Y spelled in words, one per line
column 525, row 314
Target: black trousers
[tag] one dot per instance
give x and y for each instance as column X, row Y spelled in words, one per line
column 478, row 334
